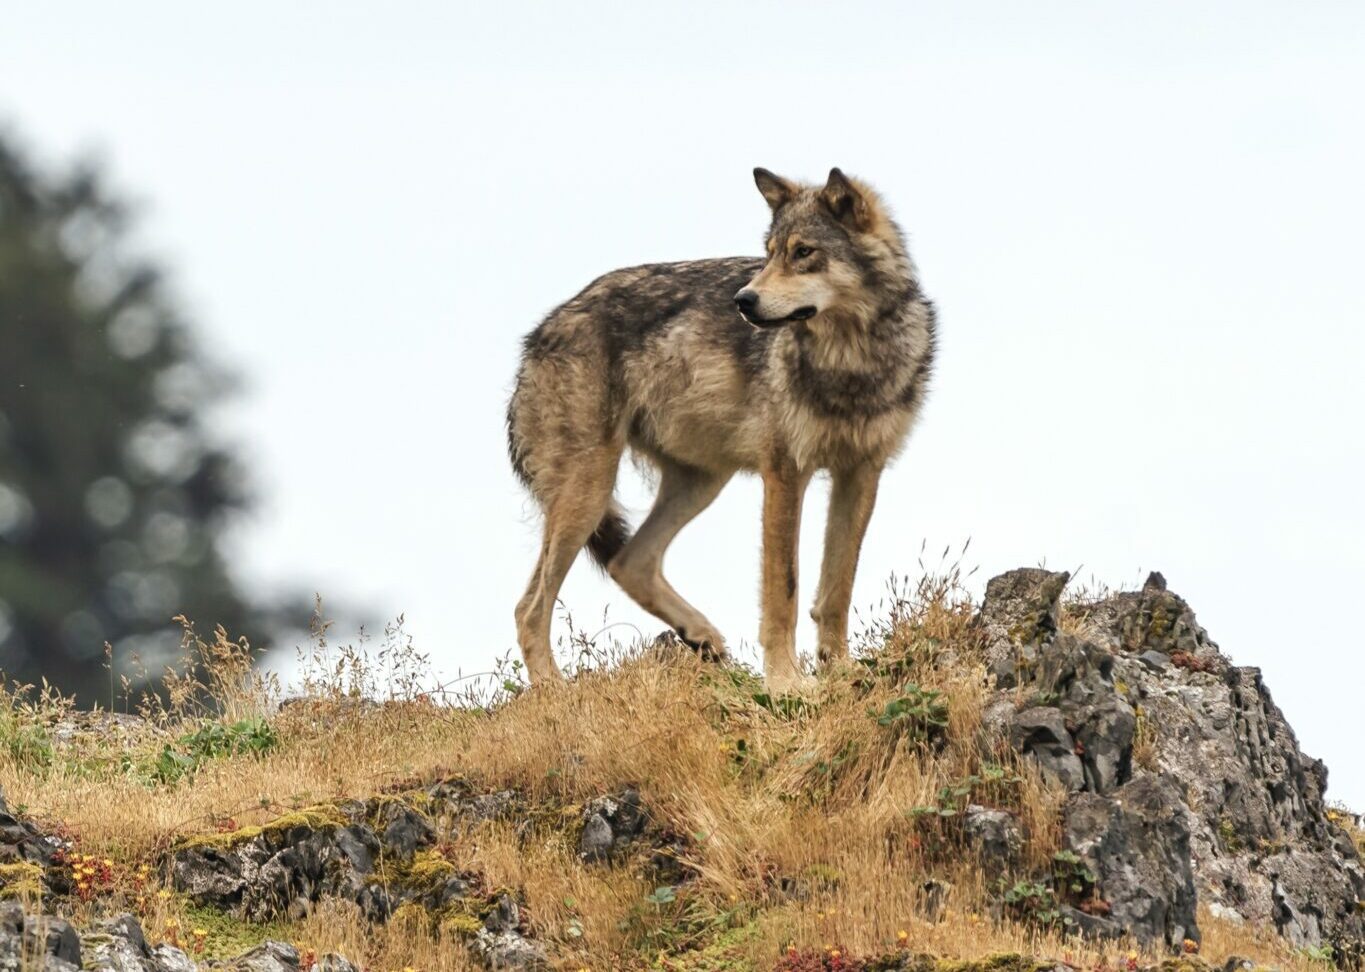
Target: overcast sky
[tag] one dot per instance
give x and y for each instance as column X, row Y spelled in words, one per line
column 1142, row 229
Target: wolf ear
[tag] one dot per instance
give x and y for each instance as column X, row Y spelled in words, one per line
column 777, row 190
column 846, row 201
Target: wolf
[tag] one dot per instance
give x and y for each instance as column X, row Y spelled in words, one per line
column 813, row 358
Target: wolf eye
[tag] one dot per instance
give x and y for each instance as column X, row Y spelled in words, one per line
column 801, row 252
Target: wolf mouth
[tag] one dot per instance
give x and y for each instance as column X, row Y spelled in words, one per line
column 800, row 314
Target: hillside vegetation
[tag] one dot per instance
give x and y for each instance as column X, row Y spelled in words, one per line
column 657, row 811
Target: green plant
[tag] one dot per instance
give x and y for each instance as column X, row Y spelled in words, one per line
column 213, row 740
column 663, row 895
column 1072, row 879
column 918, row 714
column 785, row 707
column 680, row 920
column 1227, row 833
column 26, row 743
column 1040, row 902
column 1034, row 903
column 824, row 774
column 993, row 781
column 26, row 711
column 1321, row 953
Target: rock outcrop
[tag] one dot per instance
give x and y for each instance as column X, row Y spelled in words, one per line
column 377, row 854
column 38, row 941
column 1187, row 783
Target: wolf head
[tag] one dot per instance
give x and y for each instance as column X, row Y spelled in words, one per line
column 833, row 252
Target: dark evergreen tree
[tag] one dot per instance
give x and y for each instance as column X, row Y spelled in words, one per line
column 113, row 496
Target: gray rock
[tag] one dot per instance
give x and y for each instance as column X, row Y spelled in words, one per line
column 332, row 962
column 1018, row 615
column 118, row 945
column 504, row 916
column 1104, row 735
column 1153, row 619
column 282, row 872
column 995, row 836
column 1136, row 842
column 1255, row 818
column 1260, row 836
column 932, row 899
column 1223, row 913
column 46, row 935
column 405, row 830
column 610, row 824
column 328, row 862
column 1154, row 660
column 597, row 839
column 456, row 798
column 268, row 956
column 488, row 806
column 168, row 958
column 997, row 717
column 1090, row 926
column 11, row 919
column 104, row 728
column 21, row 840
column 1074, row 673
column 1041, row 732
column 507, row 950
column 213, row 876
column 500, row 943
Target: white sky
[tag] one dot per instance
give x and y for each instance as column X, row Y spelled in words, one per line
column 1142, row 228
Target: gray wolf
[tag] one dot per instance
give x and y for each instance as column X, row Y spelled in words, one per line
column 813, row 358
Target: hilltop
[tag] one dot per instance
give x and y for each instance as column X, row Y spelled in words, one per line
column 1045, row 780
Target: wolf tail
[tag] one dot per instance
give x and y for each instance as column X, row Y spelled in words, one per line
column 611, row 535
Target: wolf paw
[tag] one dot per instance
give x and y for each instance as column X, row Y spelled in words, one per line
column 790, row 683
column 707, row 649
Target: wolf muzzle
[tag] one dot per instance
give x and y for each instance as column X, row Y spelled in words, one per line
column 747, row 302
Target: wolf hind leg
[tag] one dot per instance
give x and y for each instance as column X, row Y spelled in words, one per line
column 573, row 512
column 684, row 491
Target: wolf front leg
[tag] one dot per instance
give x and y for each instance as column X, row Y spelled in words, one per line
column 783, row 490
column 853, row 492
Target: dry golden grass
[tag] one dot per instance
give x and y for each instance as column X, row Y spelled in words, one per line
column 799, row 817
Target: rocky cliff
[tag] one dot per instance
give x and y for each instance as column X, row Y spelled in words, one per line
column 1187, row 783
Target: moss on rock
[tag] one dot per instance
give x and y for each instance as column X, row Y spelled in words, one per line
column 226, row 935
column 323, row 816
column 21, row 879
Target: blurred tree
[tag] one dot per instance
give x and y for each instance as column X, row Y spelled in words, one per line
column 112, row 495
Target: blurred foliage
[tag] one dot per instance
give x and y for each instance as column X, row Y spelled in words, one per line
column 113, row 494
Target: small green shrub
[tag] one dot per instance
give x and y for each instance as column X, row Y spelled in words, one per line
column 26, row 743
column 213, row 740
column 918, row 714
column 1034, row 903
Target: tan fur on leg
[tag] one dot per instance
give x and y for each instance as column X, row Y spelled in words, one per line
column 852, row 496
column 783, row 491
column 570, row 518
column 684, row 491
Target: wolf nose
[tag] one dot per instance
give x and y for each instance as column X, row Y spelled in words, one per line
column 747, row 301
